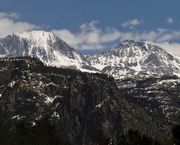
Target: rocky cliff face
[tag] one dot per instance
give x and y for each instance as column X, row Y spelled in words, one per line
column 47, row 105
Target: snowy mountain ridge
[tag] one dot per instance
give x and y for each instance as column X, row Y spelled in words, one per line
column 135, row 58
column 46, row 46
column 129, row 59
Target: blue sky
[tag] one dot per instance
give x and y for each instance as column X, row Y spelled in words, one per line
column 96, row 24
column 72, row 13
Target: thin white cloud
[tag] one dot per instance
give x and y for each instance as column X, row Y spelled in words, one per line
column 10, row 23
column 173, row 48
column 131, row 23
column 169, row 20
column 91, row 36
column 9, row 15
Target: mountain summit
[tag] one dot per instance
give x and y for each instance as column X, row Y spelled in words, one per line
column 130, row 58
column 133, row 58
column 47, row 47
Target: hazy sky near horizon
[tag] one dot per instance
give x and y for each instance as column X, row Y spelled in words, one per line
column 96, row 24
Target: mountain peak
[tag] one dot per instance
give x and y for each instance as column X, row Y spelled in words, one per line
column 131, row 42
column 37, row 32
column 138, row 44
column 133, row 48
column 39, row 38
column 46, row 46
column 131, row 57
column 37, row 35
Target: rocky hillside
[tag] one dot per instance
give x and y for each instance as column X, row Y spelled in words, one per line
column 159, row 96
column 48, row 105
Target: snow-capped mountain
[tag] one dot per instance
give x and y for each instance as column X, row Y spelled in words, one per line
column 129, row 59
column 32, row 93
column 47, row 47
column 135, row 58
